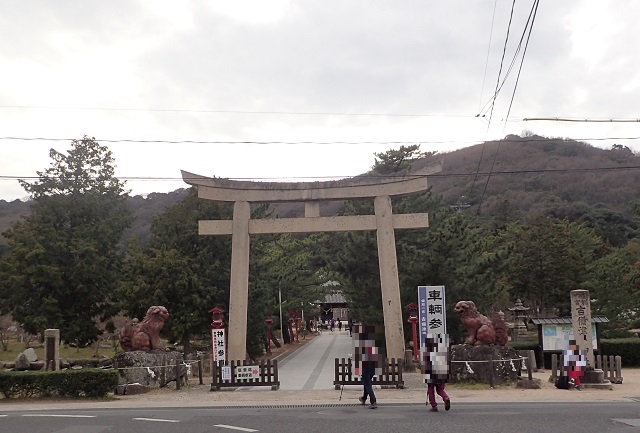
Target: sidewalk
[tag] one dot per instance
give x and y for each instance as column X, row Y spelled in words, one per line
column 311, row 391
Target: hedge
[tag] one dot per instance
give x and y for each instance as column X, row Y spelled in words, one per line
column 627, row 348
column 87, row 382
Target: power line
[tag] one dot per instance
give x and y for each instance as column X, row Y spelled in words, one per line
column 160, row 141
column 104, row 140
column 288, row 113
column 575, row 119
column 504, row 50
column 486, row 64
column 435, row 175
column 531, row 19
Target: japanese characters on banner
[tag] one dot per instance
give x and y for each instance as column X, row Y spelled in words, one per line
column 219, row 351
column 432, row 314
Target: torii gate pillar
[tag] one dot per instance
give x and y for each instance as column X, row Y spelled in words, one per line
column 389, row 281
column 243, row 193
column 239, row 285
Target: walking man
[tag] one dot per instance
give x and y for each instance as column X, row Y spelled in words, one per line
column 368, row 354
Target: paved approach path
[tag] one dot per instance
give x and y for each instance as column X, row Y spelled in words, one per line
column 312, row 367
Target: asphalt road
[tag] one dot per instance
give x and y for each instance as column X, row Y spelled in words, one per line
column 473, row 418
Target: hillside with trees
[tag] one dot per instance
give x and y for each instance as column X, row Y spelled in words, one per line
column 511, row 179
column 524, row 217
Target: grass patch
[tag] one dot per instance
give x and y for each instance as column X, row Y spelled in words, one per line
column 66, row 352
column 476, row 386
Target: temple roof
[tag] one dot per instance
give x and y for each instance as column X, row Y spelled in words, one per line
column 563, row 320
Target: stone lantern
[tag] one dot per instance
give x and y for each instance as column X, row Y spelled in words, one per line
column 520, row 314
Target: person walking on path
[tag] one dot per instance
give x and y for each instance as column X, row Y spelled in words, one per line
column 339, row 325
column 368, row 361
column 435, row 367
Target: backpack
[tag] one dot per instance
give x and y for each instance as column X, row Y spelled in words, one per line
column 562, row 382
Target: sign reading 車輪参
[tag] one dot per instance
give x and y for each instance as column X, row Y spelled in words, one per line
column 432, row 314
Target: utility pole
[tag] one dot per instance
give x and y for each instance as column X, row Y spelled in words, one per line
column 280, row 302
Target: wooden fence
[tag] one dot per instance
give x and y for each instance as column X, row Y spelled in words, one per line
column 267, row 374
column 391, row 373
column 611, row 366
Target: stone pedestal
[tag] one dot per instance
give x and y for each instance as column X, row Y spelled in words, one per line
column 487, row 364
column 151, row 369
column 595, row 379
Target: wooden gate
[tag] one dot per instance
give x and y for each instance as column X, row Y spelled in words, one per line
column 267, row 374
column 391, row 374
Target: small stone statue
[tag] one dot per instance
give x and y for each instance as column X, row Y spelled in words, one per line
column 146, row 334
column 481, row 329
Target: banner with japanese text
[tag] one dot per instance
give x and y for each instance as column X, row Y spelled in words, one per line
column 219, row 352
column 432, row 314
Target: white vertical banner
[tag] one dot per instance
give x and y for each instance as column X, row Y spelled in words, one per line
column 219, row 351
column 432, row 313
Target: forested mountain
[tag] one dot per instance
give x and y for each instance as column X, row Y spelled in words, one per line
column 536, row 173
column 501, row 180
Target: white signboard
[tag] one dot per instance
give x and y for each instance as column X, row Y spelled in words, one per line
column 248, row 372
column 219, row 352
column 556, row 337
column 432, row 314
column 226, row 372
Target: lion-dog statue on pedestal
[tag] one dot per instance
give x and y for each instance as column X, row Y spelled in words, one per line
column 146, row 334
column 481, row 329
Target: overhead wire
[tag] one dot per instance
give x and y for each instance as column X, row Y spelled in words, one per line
column 486, row 63
column 504, row 51
column 160, row 141
column 433, row 175
column 528, row 26
column 497, row 89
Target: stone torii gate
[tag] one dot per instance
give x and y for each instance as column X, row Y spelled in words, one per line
column 243, row 193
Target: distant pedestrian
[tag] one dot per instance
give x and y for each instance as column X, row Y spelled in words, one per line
column 332, row 323
column 339, row 325
column 435, row 367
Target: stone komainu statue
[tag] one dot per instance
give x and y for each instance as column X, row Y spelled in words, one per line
column 146, row 334
column 481, row 329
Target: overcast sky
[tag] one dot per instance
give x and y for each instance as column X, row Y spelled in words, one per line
column 351, row 77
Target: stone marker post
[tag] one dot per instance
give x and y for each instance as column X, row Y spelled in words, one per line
column 52, row 349
column 581, row 323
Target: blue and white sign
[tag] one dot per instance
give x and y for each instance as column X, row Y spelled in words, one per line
column 432, row 314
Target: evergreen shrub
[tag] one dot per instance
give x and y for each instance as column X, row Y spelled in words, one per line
column 87, row 382
column 627, row 348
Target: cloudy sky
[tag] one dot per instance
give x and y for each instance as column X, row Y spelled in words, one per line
column 304, row 89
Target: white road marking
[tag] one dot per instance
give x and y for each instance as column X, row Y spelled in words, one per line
column 156, row 419
column 629, row 421
column 232, row 427
column 58, row 416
